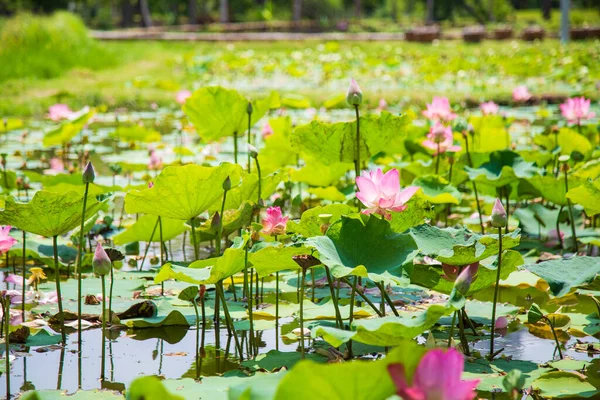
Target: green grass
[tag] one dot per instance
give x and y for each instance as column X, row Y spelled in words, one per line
column 151, row 72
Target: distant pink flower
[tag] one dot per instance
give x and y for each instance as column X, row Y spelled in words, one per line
column 553, row 238
column 431, row 261
column 437, row 377
column 155, row 162
column 441, row 136
column 150, row 185
column 274, row 223
column 16, row 296
column 14, row 279
column 57, row 165
column 501, row 323
column 489, row 108
column 6, row 241
column 521, row 94
column 383, row 105
column 439, row 110
column 381, row 193
column 48, row 298
column 267, row 130
column 576, row 109
column 182, row 96
column 60, row 111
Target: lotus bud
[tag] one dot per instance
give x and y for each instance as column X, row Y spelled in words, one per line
column 215, row 222
column 354, row 95
column 466, row 278
column 101, row 262
column 249, row 108
column 501, row 323
column 439, row 133
column 88, row 173
column 460, row 125
column 499, row 218
column 227, row 184
column 253, row 151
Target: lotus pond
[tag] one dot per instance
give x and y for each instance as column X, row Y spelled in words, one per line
column 226, row 247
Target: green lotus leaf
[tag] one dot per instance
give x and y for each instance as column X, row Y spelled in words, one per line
column 310, row 379
column 587, row 195
column 136, row 133
column 183, row 192
column 67, row 131
column 460, row 246
column 356, row 247
column 310, row 223
column 430, row 276
column 490, row 134
column 417, row 211
column 247, row 191
column 10, row 124
column 563, row 384
column 150, row 388
column 232, row 220
column 188, row 294
column 336, row 142
column 385, row 331
column 568, row 142
column 270, row 259
column 566, row 274
column 551, row 188
column 217, row 112
column 141, row 230
column 330, row 193
column 503, row 168
column 315, row 173
column 48, row 214
column 277, row 152
column 437, row 190
column 537, row 220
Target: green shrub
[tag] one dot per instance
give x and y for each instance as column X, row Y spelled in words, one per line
column 47, row 46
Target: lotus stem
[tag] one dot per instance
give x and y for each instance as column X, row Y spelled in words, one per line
column 357, row 151
column 437, row 159
column 312, row 279
column 338, row 315
column 149, row 244
column 560, row 240
column 496, row 290
column 235, row 148
column 387, row 298
column 250, row 313
column 194, row 240
column 6, row 318
column 474, row 187
column 61, row 316
column 463, row 339
column 259, row 179
column 197, row 335
column 110, row 292
column 162, row 254
column 302, row 312
column 451, row 334
column 552, row 325
column 103, row 360
column 362, row 295
column 351, row 315
column 25, row 280
column 249, row 140
column 571, row 215
column 229, row 321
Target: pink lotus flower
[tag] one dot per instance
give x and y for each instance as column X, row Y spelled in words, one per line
column 438, row 377
column 576, row 109
column 439, row 110
column 14, row 279
column 501, row 323
column 6, row 241
column 440, row 137
column 267, row 130
column 554, row 238
column 182, row 96
column 521, row 94
column 155, row 162
column 381, row 193
column 57, row 165
column 16, row 296
column 48, row 298
column 275, row 222
column 383, row 105
column 60, row 111
column 489, row 108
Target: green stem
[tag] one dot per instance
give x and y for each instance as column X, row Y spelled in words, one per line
column 235, row 147
column 338, row 315
column 571, row 215
column 61, row 317
column 351, row 315
column 362, row 295
column 149, row 244
column 302, row 312
column 463, row 339
column 249, row 140
column 6, row 305
column 197, row 335
column 437, row 160
column 452, row 329
column 496, row 290
column 162, row 253
column 79, row 260
column 560, row 240
column 103, row 278
column 357, row 150
column 552, row 324
column 470, row 161
column 110, row 292
column 387, row 298
column 194, row 240
column 259, row 180
column 250, row 311
column 24, row 279
column 229, row 321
